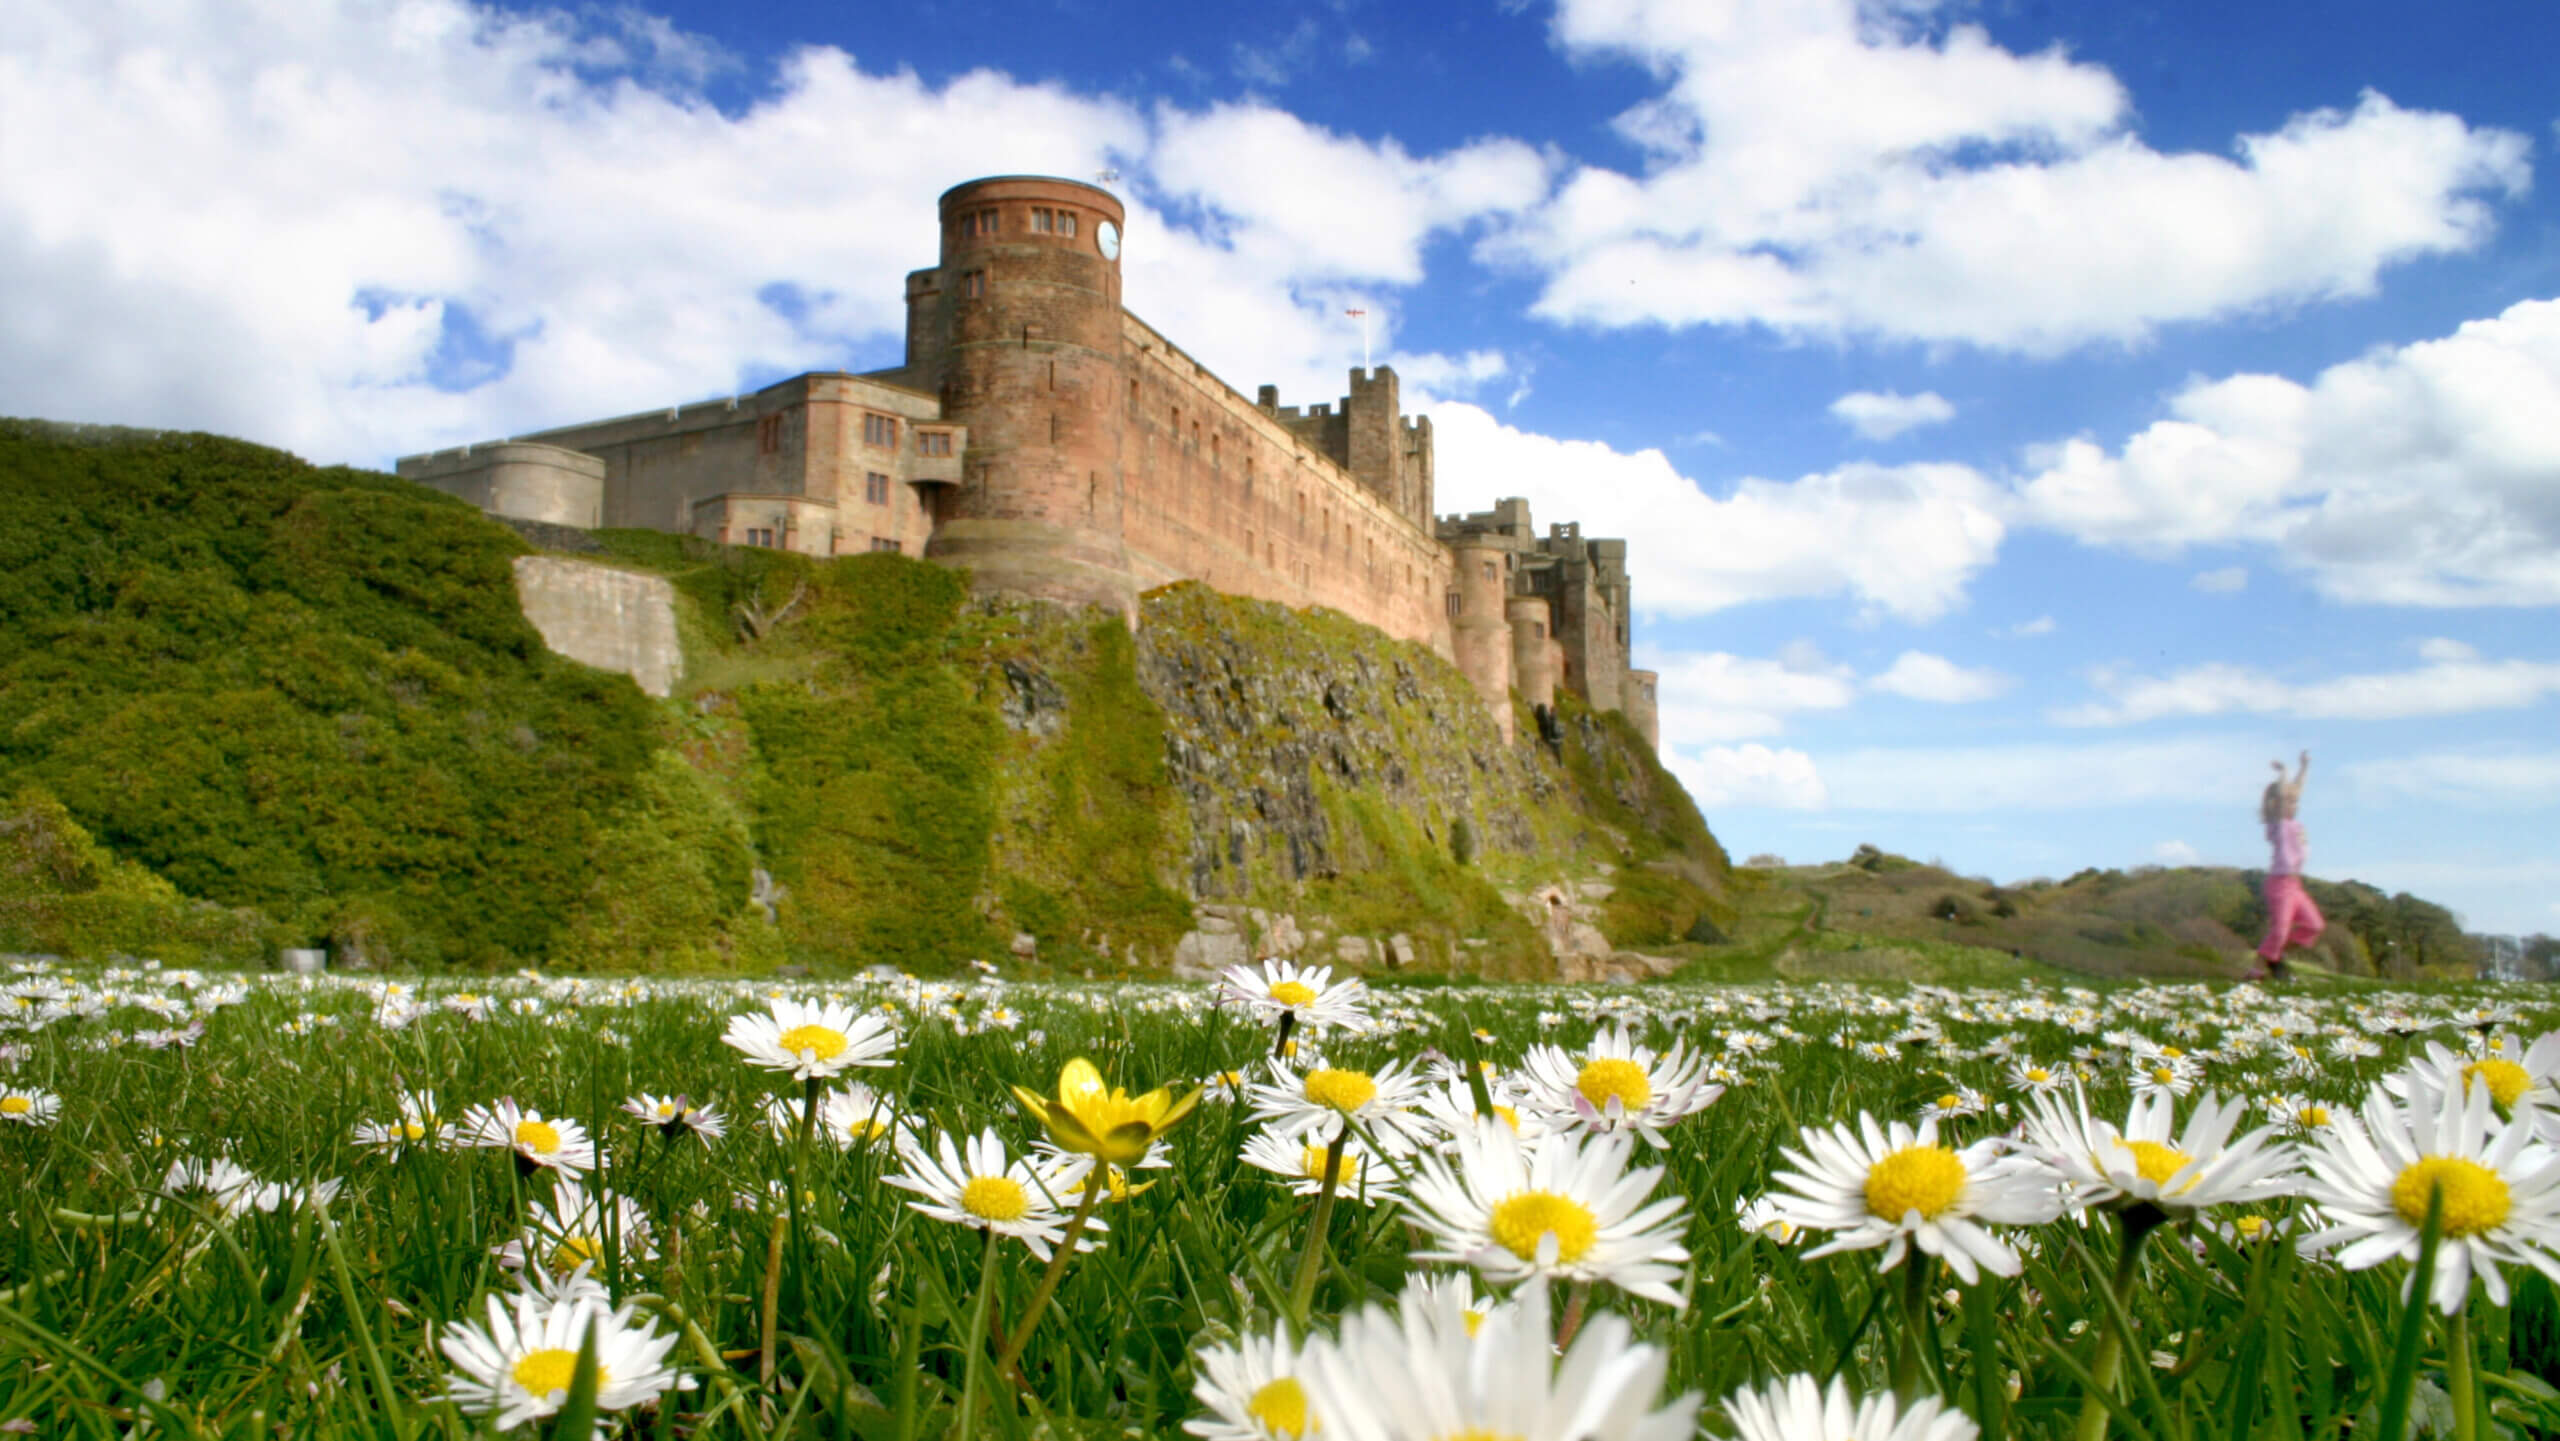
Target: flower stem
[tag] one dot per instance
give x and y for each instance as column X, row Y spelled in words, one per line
column 1311, row 1260
column 1280, row 1044
column 1096, row 1182
column 2461, row 1373
column 1916, row 1315
column 2137, row 1224
column 977, row 1339
column 1576, row 1303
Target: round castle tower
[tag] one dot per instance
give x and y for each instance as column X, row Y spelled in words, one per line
column 1030, row 361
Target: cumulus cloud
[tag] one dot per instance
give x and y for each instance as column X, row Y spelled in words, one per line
column 2225, row 581
column 1717, row 696
column 2425, row 474
column 2176, row 853
column 1882, row 415
column 2473, row 780
column 1837, row 168
column 1901, row 540
column 1954, row 780
column 1918, row 675
column 1749, row 776
column 2453, row 679
column 361, row 230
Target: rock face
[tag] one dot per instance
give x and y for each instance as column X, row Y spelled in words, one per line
column 1264, row 718
column 611, row 619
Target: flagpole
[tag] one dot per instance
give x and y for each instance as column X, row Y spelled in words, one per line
column 1363, row 316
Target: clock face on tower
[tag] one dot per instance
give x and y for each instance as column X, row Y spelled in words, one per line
column 1106, row 237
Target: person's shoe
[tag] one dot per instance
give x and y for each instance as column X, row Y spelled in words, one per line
column 2257, row 972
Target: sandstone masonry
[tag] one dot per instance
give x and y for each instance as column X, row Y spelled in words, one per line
column 1060, row 448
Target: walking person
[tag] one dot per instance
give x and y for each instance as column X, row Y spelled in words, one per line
column 2292, row 920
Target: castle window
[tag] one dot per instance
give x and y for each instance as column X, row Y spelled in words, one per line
column 769, row 434
column 1213, row 452
column 973, row 284
column 935, row 443
column 981, row 222
column 1066, row 222
column 1040, row 217
column 1248, row 545
column 875, row 488
column 762, row 536
column 1248, row 477
column 1455, row 602
column 1537, row 630
column 1133, row 394
column 880, row 431
column 1488, row 570
column 883, row 545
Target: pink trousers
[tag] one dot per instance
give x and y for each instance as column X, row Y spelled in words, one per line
column 2292, row 920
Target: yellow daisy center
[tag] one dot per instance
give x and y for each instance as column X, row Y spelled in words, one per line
column 1344, row 1091
column 539, row 1137
column 823, row 1042
column 2250, row 1227
column 1510, row 1117
column 2476, row 1198
column 574, row 1251
column 1611, row 1077
column 2171, row 1052
column 2164, row 1075
column 412, row 1131
column 666, row 1108
column 2039, row 1074
column 1281, row 1407
column 551, row 1370
column 465, row 998
column 1949, row 1102
column 2315, row 1116
column 1345, row 1173
column 2156, row 1163
column 16, row 1105
column 1926, row 1179
column 2505, row 1079
column 1524, row 1218
column 995, row 1198
column 1293, row 994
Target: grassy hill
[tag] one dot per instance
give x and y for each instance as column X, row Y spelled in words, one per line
column 248, row 702
column 1888, row 916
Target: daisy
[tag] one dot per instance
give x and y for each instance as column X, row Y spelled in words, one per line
column 849, row 1115
column 1894, row 1187
column 571, row 1231
column 1321, row 1103
column 558, row 1143
column 1253, row 1391
column 1452, row 1108
column 418, row 1126
column 1962, row 1101
column 2500, row 1193
column 2034, row 1077
column 1617, row 1084
column 1797, row 1408
column 1301, row 1163
column 28, row 1106
column 235, row 1191
column 2300, row 1116
column 677, row 1117
column 1427, row 1374
column 1562, row 1205
column 520, row 1366
column 1309, row 997
column 2518, row 1078
column 2148, row 1162
column 812, row 1042
column 972, row 1184
column 2164, row 1073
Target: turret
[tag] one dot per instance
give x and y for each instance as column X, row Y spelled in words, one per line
column 1534, row 652
column 1029, row 328
column 1480, row 629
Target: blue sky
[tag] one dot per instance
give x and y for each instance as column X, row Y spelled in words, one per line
column 2027, row 419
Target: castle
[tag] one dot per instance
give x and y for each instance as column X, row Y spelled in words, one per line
column 1059, row 448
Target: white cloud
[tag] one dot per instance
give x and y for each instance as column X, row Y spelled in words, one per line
column 1753, row 776
column 2452, row 681
column 2225, row 581
column 362, row 230
column 2473, row 780
column 1718, row 696
column 1918, row 675
column 1831, row 167
column 2041, row 625
column 1423, row 377
column 2045, row 777
column 1903, row 540
column 2176, row 853
column 2426, row 474
column 1882, row 415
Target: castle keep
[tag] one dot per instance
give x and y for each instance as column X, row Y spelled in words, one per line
column 1060, row 449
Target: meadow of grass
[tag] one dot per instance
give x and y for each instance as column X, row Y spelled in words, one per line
column 132, row 1305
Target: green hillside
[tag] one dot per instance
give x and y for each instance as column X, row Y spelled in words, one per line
column 1879, row 914
column 247, row 702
